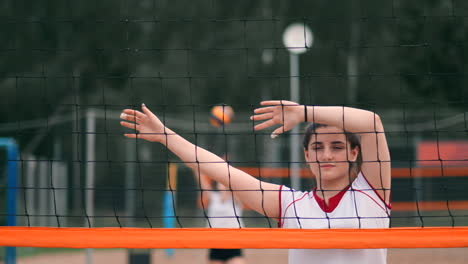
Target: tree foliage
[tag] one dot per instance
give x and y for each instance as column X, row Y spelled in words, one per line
column 433, row 56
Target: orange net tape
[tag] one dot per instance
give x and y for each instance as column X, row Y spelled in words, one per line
column 434, row 237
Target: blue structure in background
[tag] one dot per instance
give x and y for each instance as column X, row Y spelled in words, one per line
column 12, row 186
column 169, row 216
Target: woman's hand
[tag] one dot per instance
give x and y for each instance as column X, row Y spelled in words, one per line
column 146, row 125
column 285, row 113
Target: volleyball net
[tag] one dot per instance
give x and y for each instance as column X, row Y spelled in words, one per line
column 73, row 180
column 138, row 192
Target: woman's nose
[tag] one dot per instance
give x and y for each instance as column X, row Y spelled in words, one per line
column 327, row 154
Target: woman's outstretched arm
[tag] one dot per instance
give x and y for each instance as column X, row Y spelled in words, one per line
column 260, row 196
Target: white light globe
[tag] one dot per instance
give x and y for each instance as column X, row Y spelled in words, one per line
column 297, row 38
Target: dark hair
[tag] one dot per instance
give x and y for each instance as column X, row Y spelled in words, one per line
column 352, row 138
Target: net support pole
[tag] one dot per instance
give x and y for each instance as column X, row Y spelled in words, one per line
column 90, row 177
column 12, row 185
column 294, row 138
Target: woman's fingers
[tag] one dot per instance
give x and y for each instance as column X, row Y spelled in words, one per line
column 275, row 112
column 130, row 125
column 265, row 124
column 278, row 131
column 276, row 109
column 278, row 102
column 131, row 135
column 147, row 111
column 135, row 113
column 127, row 117
column 259, row 117
column 264, row 109
column 133, row 116
column 144, row 123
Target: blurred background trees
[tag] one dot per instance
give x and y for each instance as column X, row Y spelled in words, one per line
column 56, row 53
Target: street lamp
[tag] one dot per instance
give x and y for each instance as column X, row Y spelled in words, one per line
column 297, row 38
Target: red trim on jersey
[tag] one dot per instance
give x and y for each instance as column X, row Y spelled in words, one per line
column 304, row 195
column 361, row 191
column 389, row 206
column 332, row 202
column 280, row 220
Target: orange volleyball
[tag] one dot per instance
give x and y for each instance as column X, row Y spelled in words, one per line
column 221, row 115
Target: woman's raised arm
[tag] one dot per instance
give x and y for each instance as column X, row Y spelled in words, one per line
column 260, row 196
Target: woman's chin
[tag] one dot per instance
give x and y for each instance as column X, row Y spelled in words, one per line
column 329, row 175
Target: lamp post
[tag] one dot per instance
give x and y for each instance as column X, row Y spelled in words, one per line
column 297, row 38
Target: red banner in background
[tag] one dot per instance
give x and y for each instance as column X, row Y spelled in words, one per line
column 443, row 153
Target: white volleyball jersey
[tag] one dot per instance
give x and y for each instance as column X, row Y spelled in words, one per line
column 358, row 206
column 224, row 214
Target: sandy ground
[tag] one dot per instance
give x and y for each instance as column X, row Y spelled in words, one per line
column 270, row 256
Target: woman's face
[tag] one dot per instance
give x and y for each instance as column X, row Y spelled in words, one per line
column 329, row 154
